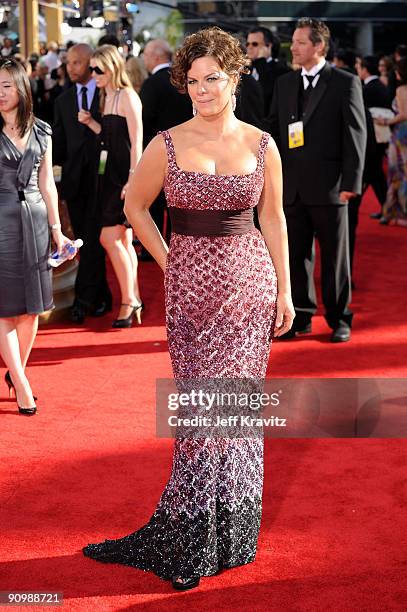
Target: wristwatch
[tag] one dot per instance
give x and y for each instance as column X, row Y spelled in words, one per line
column 54, row 226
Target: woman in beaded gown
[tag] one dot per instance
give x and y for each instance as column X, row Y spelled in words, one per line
column 227, row 293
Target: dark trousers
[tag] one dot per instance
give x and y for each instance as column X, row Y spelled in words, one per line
column 353, row 215
column 373, row 175
column 91, row 286
column 329, row 224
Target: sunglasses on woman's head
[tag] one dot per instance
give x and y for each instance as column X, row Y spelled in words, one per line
column 96, row 69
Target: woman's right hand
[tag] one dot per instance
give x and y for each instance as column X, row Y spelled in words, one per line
column 84, row 117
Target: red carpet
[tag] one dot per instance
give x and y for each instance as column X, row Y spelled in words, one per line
column 88, row 466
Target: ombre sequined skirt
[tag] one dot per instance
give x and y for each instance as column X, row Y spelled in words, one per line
column 220, row 295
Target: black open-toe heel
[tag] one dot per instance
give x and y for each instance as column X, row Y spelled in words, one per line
column 125, row 323
column 184, row 584
column 10, row 385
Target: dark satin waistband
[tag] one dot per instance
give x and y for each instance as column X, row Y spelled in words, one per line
column 210, row 222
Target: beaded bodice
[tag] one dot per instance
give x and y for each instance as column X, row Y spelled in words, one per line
column 200, row 191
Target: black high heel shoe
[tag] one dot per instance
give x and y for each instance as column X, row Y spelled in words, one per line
column 186, row 584
column 28, row 411
column 10, row 385
column 124, row 323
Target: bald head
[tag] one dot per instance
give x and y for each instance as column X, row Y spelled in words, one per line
column 81, row 49
column 77, row 64
column 156, row 52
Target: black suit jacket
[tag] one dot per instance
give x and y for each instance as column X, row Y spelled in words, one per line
column 75, row 146
column 375, row 93
column 250, row 101
column 163, row 106
column 268, row 73
column 332, row 157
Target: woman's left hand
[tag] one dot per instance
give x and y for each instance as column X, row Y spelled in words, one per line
column 123, row 193
column 60, row 241
column 84, row 117
column 285, row 314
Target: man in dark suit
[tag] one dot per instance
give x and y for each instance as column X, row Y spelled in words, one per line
column 75, row 149
column 250, row 101
column 263, row 50
column 163, row 108
column 318, row 121
column 375, row 94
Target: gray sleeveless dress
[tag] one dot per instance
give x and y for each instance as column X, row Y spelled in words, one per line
column 25, row 276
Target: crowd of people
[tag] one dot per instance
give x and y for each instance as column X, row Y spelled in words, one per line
column 224, row 133
column 337, row 124
column 163, row 107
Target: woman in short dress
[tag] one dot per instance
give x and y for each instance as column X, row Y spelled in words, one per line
column 28, row 210
column 121, row 138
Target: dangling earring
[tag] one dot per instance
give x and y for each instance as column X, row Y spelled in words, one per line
column 233, row 101
column 194, row 111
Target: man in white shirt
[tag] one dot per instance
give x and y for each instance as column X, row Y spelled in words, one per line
column 51, row 59
column 318, row 119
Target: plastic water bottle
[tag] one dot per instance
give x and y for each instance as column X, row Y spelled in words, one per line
column 69, row 250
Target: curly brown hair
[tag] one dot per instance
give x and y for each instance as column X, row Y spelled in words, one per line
column 210, row 42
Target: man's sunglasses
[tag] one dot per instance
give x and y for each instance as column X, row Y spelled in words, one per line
column 254, row 44
column 95, row 69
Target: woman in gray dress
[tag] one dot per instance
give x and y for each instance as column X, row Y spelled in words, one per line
column 28, row 210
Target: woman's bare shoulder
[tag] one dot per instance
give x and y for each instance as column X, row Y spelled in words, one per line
column 182, row 130
column 250, row 131
column 156, row 146
column 155, row 154
column 250, row 135
column 129, row 97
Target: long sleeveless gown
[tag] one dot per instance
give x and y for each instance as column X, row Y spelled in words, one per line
column 25, row 275
column 220, row 294
column 395, row 207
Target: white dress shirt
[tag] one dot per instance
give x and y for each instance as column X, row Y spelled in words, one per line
column 313, row 72
column 160, row 67
column 370, row 78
